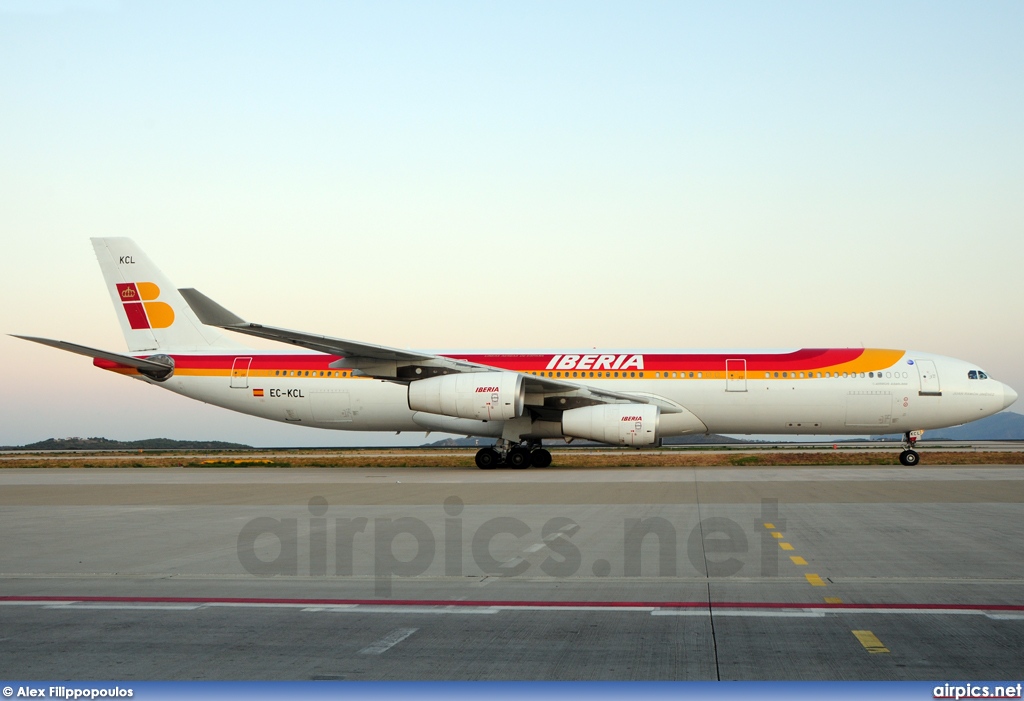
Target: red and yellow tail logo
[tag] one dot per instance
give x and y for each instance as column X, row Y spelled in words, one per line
column 144, row 312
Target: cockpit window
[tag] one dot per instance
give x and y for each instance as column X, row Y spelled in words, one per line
column 972, row 375
column 982, row 376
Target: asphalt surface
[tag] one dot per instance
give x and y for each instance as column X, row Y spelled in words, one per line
column 416, row 573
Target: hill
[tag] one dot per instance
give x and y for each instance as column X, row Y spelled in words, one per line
column 1004, row 426
column 96, row 443
column 700, row 439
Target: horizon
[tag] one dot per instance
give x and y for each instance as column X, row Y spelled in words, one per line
column 742, row 438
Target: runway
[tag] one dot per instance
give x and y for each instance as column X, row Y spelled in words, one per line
column 420, row 573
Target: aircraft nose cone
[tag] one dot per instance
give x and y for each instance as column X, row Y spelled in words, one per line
column 1009, row 396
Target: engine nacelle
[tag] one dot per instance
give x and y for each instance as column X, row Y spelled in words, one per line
column 488, row 396
column 617, row 424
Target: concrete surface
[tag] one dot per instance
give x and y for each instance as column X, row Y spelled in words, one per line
column 708, row 573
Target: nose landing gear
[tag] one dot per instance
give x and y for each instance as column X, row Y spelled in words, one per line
column 519, row 456
column 909, row 456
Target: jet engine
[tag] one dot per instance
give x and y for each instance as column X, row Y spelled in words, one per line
column 617, row 424
column 487, row 396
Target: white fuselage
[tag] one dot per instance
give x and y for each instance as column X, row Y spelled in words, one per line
column 912, row 391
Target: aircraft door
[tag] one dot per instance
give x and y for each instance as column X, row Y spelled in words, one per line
column 736, row 375
column 330, row 405
column 929, row 378
column 240, row 373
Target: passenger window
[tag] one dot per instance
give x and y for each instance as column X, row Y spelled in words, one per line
column 819, row 374
column 699, row 374
column 673, row 374
column 784, row 374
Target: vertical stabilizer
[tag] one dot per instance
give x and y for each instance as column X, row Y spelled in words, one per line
column 152, row 314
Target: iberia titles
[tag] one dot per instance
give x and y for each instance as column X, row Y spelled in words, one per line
column 596, row 362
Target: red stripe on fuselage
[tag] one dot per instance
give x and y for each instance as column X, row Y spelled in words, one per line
column 804, row 359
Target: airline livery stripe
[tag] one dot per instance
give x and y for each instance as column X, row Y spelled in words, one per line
column 709, row 366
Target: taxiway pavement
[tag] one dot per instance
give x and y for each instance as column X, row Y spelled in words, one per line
column 421, row 573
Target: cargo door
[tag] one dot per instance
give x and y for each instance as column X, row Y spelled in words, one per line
column 869, row 409
column 331, row 406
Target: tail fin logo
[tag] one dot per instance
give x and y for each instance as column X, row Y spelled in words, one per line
column 141, row 305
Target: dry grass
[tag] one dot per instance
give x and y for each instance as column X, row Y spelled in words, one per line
column 562, row 458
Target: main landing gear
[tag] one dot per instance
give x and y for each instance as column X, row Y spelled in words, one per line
column 909, row 456
column 519, row 456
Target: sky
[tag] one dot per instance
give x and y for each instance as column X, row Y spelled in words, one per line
column 475, row 175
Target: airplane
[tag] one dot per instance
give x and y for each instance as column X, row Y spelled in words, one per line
column 627, row 397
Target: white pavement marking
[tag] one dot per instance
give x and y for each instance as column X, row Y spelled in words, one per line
column 469, row 610
column 910, row 611
column 751, row 614
column 488, row 610
column 618, row 609
column 534, row 548
column 259, row 605
column 773, row 614
column 122, row 607
column 388, row 641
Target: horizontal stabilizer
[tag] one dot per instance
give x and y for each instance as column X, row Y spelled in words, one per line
column 150, row 367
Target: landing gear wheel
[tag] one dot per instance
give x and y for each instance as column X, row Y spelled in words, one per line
column 909, row 458
column 540, row 458
column 519, row 458
column 487, row 458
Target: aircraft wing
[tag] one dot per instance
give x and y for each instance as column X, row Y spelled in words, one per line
column 370, row 360
column 405, row 366
column 152, row 367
